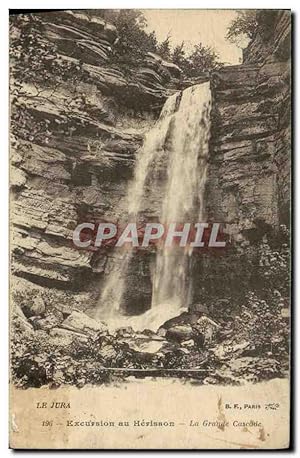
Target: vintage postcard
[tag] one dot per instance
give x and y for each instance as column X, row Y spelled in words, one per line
column 150, row 168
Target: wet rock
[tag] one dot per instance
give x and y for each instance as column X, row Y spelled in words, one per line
column 161, row 332
column 81, row 322
column 180, row 333
column 125, row 332
column 185, row 318
column 146, row 345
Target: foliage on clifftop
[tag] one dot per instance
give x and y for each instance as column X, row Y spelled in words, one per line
column 135, row 42
column 243, row 27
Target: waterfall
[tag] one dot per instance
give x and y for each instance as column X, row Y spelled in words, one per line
column 179, row 140
column 183, row 200
column 152, row 149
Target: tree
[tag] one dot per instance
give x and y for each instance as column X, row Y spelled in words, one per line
column 242, row 27
column 164, row 49
column 202, row 59
column 134, row 42
column 178, row 55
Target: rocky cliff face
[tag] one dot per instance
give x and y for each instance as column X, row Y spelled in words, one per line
column 272, row 41
column 251, row 130
column 248, row 187
column 80, row 171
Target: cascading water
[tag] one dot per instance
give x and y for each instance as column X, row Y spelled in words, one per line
column 179, row 139
column 109, row 303
column 183, row 200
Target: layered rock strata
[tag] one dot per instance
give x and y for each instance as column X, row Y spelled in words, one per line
column 80, row 172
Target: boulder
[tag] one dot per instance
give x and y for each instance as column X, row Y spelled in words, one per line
column 206, row 327
column 46, row 324
column 108, row 352
column 151, row 346
column 188, row 343
column 125, row 332
column 285, row 312
column 227, row 350
column 183, row 319
column 161, row 332
column 64, row 337
column 180, row 333
column 207, row 322
column 22, row 320
column 18, row 178
column 35, row 308
column 38, row 306
column 79, row 321
column 64, row 309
